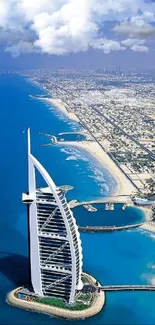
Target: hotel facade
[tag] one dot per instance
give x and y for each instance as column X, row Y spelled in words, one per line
column 54, row 241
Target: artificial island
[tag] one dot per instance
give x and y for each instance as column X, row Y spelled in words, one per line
column 57, row 285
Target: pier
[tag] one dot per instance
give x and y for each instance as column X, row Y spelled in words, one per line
column 110, row 199
column 64, row 133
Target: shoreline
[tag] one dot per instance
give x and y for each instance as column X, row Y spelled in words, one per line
column 58, row 103
column 149, row 227
column 97, row 306
column 124, row 186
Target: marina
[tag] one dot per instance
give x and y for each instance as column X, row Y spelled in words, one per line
column 96, row 214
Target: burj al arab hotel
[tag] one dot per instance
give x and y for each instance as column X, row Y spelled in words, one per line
column 54, row 241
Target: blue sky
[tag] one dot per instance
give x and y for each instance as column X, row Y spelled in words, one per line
column 77, row 33
column 90, row 59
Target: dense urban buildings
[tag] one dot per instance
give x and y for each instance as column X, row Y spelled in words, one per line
column 116, row 108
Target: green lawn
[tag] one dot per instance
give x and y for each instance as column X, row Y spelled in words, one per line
column 60, row 303
column 55, row 302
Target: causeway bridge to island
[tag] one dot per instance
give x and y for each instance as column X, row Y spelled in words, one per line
column 143, row 287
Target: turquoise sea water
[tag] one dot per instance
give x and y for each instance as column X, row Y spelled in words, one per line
column 116, row 258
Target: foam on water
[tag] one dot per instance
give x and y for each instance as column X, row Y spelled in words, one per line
column 74, row 125
column 74, row 154
column 95, row 170
column 72, row 158
column 148, row 233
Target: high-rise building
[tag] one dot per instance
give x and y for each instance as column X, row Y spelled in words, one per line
column 54, row 241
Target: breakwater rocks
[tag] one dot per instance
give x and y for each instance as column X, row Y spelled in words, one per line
column 108, row 228
column 96, row 305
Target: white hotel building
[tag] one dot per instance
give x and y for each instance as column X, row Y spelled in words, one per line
column 55, row 245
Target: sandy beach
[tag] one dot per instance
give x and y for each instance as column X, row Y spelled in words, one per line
column 149, row 226
column 58, row 103
column 124, row 187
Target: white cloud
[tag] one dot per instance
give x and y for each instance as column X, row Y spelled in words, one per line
column 132, row 41
column 107, row 45
column 64, row 26
column 21, row 47
column 136, row 45
column 139, row 48
column 138, row 26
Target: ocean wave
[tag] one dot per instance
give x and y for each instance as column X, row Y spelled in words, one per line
column 98, row 175
column 100, row 180
column 148, row 233
column 103, row 192
column 94, row 172
column 71, row 158
column 73, row 152
column 151, row 234
column 62, row 116
column 106, row 188
column 64, row 150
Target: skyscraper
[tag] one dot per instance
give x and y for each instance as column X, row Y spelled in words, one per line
column 55, row 245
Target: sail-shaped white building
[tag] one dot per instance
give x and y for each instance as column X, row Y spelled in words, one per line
column 55, row 245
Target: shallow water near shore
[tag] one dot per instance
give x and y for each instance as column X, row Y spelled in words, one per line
column 126, row 257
